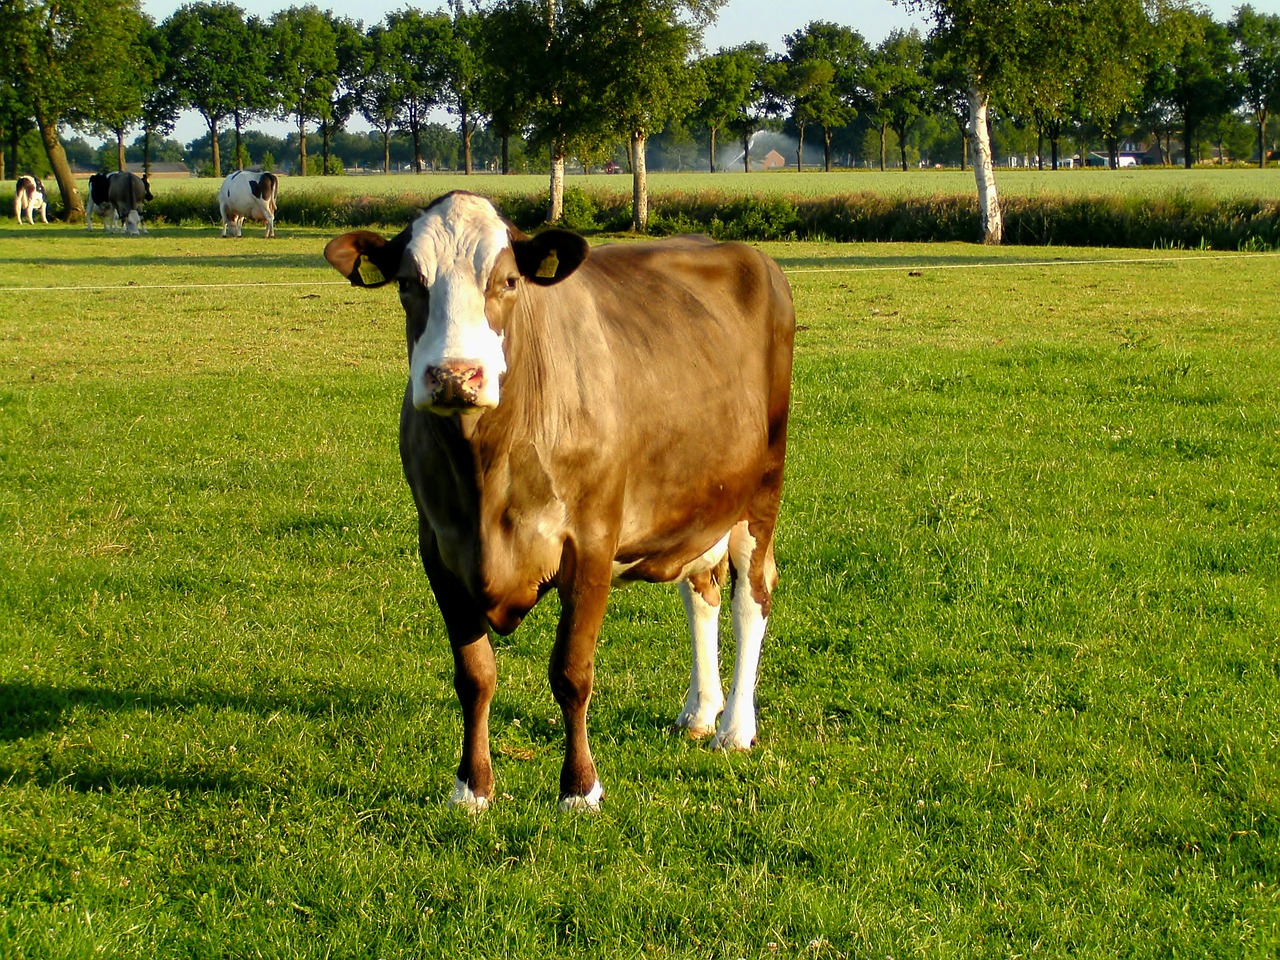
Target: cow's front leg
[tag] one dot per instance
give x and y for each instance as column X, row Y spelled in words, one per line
column 475, row 676
column 474, row 679
column 572, row 671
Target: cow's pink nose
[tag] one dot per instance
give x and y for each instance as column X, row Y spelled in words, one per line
column 454, row 384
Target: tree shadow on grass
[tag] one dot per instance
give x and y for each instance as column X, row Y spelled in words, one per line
column 28, row 710
column 33, row 710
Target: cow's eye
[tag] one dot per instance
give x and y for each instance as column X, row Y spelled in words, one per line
column 509, row 285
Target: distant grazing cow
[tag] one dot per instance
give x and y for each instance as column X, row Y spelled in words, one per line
column 253, row 195
column 29, row 198
column 113, row 196
column 578, row 417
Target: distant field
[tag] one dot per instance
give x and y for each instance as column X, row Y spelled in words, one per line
column 1020, row 696
column 1153, row 182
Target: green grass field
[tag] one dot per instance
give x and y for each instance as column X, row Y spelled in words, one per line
column 1020, row 697
column 1150, row 182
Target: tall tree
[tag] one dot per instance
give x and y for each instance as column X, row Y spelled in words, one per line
column 1257, row 40
column 825, row 62
column 353, row 59
column 458, row 67
column 216, row 65
column 641, row 59
column 304, row 67
column 503, row 90
column 764, row 99
column 419, row 39
column 59, row 52
column 381, row 92
column 161, row 102
column 1195, row 77
column 1111, row 46
column 723, row 85
column 990, row 41
column 113, row 109
column 900, row 58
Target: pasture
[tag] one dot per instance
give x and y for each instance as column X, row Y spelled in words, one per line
column 1020, row 694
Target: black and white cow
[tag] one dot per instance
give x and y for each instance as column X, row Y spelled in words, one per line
column 253, row 195
column 118, row 198
column 29, row 198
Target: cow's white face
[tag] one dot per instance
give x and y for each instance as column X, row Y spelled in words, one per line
column 462, row 270
column 447, row 280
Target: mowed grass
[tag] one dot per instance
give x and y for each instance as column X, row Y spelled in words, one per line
column 1020, row 696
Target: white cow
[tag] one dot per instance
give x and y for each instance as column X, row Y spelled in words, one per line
column 244, row 194
column 29, row 198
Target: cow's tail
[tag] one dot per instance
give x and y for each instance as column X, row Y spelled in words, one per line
column 268, row 184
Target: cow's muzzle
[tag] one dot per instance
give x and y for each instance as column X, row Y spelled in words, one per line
column 454, row 385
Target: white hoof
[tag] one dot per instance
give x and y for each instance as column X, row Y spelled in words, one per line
column 588, row 804
column 735, row 735
column 463, row 798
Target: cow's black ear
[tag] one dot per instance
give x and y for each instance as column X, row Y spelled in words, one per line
column 365, row 258
column 550, row 256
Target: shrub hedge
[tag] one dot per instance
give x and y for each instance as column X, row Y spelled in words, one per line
column 1176, row 220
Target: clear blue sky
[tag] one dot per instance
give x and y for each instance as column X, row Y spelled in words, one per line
column 740, row 21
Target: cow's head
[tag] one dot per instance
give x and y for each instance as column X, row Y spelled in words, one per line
column 461, row 270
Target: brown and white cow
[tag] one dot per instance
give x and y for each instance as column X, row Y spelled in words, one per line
column 572, row 420
column 29, row 198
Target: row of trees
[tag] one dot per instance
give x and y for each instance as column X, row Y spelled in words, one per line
column 576, row 77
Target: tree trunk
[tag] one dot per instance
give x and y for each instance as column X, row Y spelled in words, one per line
column 386, row 149
column 324, row 148
column 239, row 152
column 73, row 205
column 984, row 171
column 639, row 184
column 1188, row 146
column 826, row 149
column 213, row 145
column 417, row 147
column 713, row 150
column 884, row 148
column 555, row 211
column 146, row 151
column 902, row 151
column 120, row 161
column 1262, row 141
column 302, row 146
column 467, row 130
column 746, row 153
column 506, row 153
column 800, row 148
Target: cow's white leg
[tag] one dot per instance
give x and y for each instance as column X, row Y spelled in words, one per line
column 271, row 227
column 738, row 723
column 705, row 699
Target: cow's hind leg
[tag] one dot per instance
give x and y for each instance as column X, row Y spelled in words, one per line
column 755, row 575
column 705, row 699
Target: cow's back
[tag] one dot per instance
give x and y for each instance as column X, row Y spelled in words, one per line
column 683, row 348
